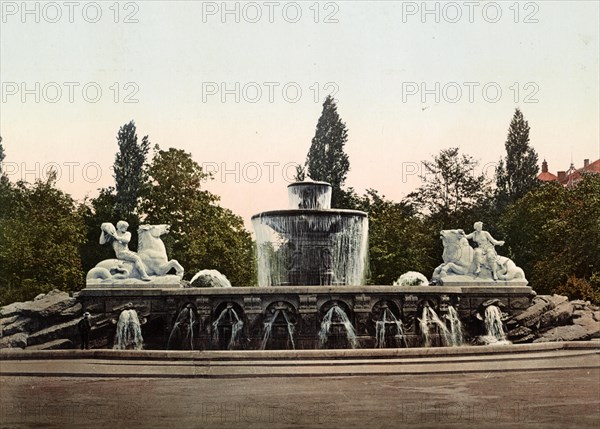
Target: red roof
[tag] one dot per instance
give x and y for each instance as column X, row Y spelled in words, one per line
column 575, row 176
column 546, row 176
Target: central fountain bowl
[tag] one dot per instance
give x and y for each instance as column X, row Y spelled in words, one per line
column 311, row 244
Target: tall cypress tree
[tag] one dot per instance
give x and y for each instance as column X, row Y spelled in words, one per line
column 130, row 171
column 326, row 160
column 2, row 154
column 516, row 173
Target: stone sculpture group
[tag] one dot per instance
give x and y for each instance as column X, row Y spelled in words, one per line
column 475, row 265
column 149, row 264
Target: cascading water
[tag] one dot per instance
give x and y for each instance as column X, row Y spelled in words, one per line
column 129, row 332
column 431, row 324
column 335, row 312
column 311, row 244
column 388, row 318
column 182, row 334
column 493, row 326
column 268, row 327
column 456, row 327
column 230, row 318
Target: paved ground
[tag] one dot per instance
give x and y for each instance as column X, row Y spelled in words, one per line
column 538, row 389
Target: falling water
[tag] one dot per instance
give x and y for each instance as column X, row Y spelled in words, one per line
column 493, row 325
column 429, row 323
column 187, row 320
column 236, row 327
column 129, row 333
column 331, row 243
column 456, row 327
column 381, row 325
column 343, row 319
column 268, row 326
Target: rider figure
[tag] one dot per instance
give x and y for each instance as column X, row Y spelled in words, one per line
column 485, row 251
column 120, row 246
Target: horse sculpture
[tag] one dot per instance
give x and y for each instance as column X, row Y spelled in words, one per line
column 151, row 251
column 458, row 259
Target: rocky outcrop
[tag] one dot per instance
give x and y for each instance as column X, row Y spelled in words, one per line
column 555, row 318
column 47, row 322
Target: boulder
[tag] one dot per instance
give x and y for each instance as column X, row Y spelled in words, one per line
column 14, row 341
column 210, row 278
column 591, row 325
column 19, row 325
column 531, row 316
column 519, row 332
column 50, row 304
column 55, row 332
column 559, row 316
column 565, row 333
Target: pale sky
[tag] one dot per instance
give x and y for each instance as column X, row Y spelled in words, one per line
column 183, row 64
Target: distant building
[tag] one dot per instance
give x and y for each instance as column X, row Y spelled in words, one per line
column 570, row 177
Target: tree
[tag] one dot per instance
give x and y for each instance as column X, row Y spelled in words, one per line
column 516, row 173
column 553, row 232
column 40, row 240
column 203, row 234
column 451, row 189
column 326, row 160
column 2, row 154
column 129, row 169
column 399, row 240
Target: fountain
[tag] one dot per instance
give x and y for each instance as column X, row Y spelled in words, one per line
column 312, row 263
column 385, row 326
column 433, row 330
column 311, row 244
column 493, row 325
column 182, row 335
column 456, row 327
column 227, row 328
column 335, row 326
column 129, row 332
column 279, row 328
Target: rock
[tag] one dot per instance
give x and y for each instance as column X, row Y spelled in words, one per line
column 14, row 341
column 60, row 331
column 558, row 299
column 411, row 278
column 591, row 325
column 209, row 278
column 50, row 304
column 74, row 311
column 565, row 333
column 54, row 345
column 596, row 315
column 19, row 325
column 526, row 339
column 559, row 316
column 532, row 315
column 519, row 332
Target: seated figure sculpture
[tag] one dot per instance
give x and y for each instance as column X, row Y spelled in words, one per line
column 485, row 252
column 150, row 263
column 465, row 264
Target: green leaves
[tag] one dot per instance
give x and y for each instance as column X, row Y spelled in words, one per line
column 326, row 160
column 40, row 237
column 516, row 174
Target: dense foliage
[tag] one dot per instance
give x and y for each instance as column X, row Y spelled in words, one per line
column 47, row 240
column 326, row 160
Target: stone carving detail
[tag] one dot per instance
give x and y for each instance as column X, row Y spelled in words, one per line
column 149, row 265
column 252, row 304
column 308, row 303
column 480, row 265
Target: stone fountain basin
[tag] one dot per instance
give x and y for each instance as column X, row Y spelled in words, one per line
column 308, row 303
column 308, row 220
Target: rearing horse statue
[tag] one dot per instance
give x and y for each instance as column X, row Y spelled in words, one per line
column 151, row 252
